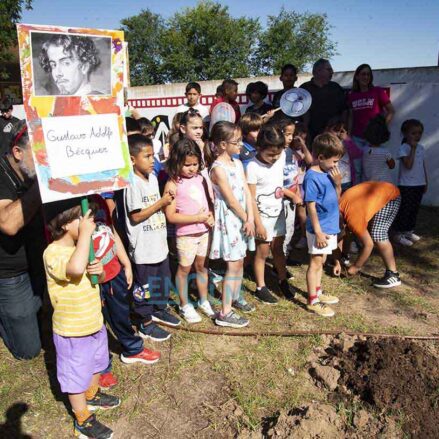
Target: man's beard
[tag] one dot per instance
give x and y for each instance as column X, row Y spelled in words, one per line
column 27, row 172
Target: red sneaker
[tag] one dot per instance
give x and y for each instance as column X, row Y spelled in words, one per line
column 107, row 380
column 146, row 356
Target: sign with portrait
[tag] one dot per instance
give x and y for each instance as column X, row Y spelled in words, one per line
column 73, row 97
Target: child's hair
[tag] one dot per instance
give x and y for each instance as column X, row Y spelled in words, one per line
column 146, row 127
column 60, row 213
column 270, row 136
column 188, row 115
column 177, row 157
column 19, row 135
column 301, row 128
column 132, row 125
column 286, row 67
column 228, row 84
column 284, row 123
column 355, row 83
column 137, row 142
column 219, row 91
column 327, row 145
column 175, row 126
column 194, row 85
column 376, row 131
column 223, row 131
column 335, row 124
column 250, row 122
column 408, row 125
column 257, row 87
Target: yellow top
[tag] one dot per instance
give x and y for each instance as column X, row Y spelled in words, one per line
column 76, row 303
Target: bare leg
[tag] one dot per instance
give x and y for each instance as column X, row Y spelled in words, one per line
column 314, row 274
column 78, row 400
column 279, row 262
column 262, row 252
column 231, row 284
column 386, row 251
column 202, row 277
column 182, row 284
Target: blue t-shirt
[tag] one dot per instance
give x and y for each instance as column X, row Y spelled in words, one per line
column 246, row 154
column 319, row 187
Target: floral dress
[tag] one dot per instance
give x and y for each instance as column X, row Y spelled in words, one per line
column 229, row 241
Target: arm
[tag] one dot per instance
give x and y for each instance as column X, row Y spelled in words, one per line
column 141, row 215
column 259, row 227
column 321, row 238
column 293, row 195
column 336, row 178
column 408, row 161
column 123, row 258
column 367, row 242
column 307, row 156
column 14, row 215
column 249, row 225
column 390, row 112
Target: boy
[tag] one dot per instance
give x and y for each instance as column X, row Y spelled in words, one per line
column 288, row 76
column 148, row 246
column 229, row 93
column 257, row 92
column 193, row 95
column 250, row 125
column 322, row 185
column 79, row 333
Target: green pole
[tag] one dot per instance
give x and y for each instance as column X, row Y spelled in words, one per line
column 91, row 255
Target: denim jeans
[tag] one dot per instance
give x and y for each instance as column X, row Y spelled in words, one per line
column 18, row 317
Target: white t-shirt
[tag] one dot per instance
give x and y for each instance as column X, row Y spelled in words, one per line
column 269, row 183
column 375, row 164
column 148, row 243
column 344, row 165
column 204, row 111
column 416, row 175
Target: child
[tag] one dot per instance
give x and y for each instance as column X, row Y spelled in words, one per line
column 256, row 92
column 192, row 216
column 288, row 76
column 413, row 181
column 377, row 160
column 193, row 95
column 322, row 186
column 148, row 247
column 79, row 333
column 250, row 125
column 229, row 93
column 265, row 181
column 234, row 224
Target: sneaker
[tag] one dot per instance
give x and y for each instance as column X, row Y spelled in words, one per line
column 328, row 299
column 401, row 239
column 206, row 308
column 412, row 237
column 287, row 289
column 302, row 243
column 353, row 248
column 163, row 316
column 231, row 320
column 265, row 296
column 389, row 280
column 189, row 314
column 242, row 305
column 107, row 380
column 321, row 309
column 92, row 429
column 146, row 356
column 153, row 332
column 102, row 401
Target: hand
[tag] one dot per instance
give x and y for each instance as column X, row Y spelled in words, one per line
column 202, row 216
column 298, row 143
column 210, row 220
column 321, row 240
column 86, row 224
column 168, row 198
column 95, row 267
column 335, row 175
column 261, row 233
column 268, row 115
column 336, row 270
column 297, row 199
column 129, row 275
column 249, row 228
column 353, row 270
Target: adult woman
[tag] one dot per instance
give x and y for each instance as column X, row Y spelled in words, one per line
column 365, row 101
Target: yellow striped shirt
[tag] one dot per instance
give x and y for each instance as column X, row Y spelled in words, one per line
column 76, row 303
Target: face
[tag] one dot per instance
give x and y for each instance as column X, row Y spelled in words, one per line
column 270, row 155
column 288, row 78
column 72, row 228
column 289, row 134
column 193, row 130
column 327, row 164
column 190, row 167
column 255, row 97
column 143, row 162
column 231, row 93
column 364, row 77
column 233, row 146
column 192, row 97
column 324, row 73
column 340, row 132
column 413, row 135
column 7, row 114
column 25, row 161
column 67, row 71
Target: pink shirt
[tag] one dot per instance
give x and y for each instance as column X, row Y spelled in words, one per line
column 365, row 106
column 190, row 199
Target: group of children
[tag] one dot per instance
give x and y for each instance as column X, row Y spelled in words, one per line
column 229, row 198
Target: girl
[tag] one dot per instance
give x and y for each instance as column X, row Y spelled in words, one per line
column 191, row 214
column 265, row 180
column 234, row 222
column 377, row 160
column 413, row 181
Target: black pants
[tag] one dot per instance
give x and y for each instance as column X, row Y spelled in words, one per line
column 411, row 197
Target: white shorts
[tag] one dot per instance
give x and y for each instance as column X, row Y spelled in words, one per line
column 274, row 226
column 314, row 250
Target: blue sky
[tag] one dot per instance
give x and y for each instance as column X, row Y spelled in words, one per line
column 383, row 33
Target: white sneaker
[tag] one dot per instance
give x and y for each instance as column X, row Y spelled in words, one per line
column 402, row 240
column 189, row 314
column 412, row 237
column 206, row 309
column 353, row 248
column 302, row 243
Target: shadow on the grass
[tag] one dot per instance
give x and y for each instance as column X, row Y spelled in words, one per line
column 11, row 428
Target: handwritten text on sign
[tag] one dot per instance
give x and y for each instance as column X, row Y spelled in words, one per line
column 78, row 145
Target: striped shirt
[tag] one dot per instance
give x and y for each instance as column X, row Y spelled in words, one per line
column 76, row 303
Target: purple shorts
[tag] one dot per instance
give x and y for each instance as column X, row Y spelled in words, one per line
column 78, row 358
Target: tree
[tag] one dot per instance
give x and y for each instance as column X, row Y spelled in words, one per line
column 299, row 39
column 144, row 34
column 10, row 14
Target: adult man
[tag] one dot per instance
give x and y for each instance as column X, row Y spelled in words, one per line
column 22, row 242
column 7, row 121
column 70, row 60
column 328, row 98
